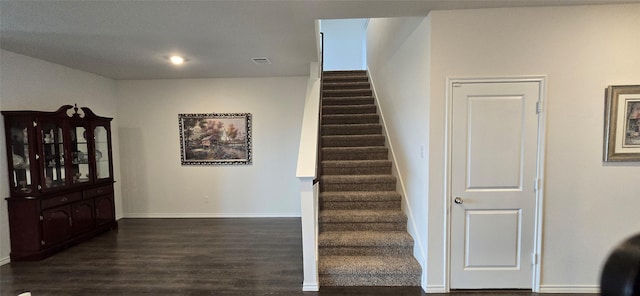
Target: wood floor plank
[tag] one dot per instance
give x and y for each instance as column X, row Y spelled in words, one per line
column 257, row 256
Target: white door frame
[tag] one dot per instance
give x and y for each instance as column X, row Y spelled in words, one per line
column 542, row 82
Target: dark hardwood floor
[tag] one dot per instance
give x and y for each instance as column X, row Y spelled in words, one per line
column 184, row 257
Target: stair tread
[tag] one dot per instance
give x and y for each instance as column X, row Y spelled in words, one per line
column 345, row 72
column 362, row 106
column 362, row 216
column 350, row 196
column 355, row 163
column 357, row 178
column 365, row 239
column 368, row 265
column 355, row 149
column 364, row 84
column 351, row 125
column 369, row 136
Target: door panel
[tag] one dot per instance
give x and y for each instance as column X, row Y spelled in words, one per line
column 56, row 225
column 493, row 171
column 492, row 239
column 495, row 143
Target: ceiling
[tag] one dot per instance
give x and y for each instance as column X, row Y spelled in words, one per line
column 132, row 39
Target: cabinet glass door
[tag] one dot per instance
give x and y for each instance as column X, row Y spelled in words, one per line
column 21, row 167
column 102, row 153
column 79, row 155
column 53, row 155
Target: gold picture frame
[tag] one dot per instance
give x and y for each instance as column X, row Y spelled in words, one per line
column 622, row 123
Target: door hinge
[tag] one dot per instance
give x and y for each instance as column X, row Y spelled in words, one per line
column 536, row 184
column 538, row 107
column 534, row 259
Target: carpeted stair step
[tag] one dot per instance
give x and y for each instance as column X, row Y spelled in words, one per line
column 346, row 92
column 357, row 183
column 350, row 118
column 352, row 140
column 362, row 100
column 369, row 271
column 342, row 73
column 356, row 167
column 365, row 243
column 335, row 85
column 345, row 78
column 349, row 109
column 351, row 129
column 355, row 153
column 360, row 200
column 362, row 220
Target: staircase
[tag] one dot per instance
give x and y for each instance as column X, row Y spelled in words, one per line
column 363, row 239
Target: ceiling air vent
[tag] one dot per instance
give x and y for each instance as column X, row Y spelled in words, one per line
column 261, row 61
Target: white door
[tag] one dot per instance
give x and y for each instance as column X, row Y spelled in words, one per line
column 493, row 176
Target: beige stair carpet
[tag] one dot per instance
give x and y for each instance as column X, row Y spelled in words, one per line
column 363, row 239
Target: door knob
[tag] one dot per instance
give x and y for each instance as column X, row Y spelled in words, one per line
column 458, row 200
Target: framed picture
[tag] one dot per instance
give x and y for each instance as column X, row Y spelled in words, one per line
column 215, row 138
column 622, row 123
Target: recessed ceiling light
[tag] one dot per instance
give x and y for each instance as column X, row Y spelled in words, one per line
column 176, row 60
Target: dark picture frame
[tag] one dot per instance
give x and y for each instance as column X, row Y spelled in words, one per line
column 215, row 138
column 622, row 123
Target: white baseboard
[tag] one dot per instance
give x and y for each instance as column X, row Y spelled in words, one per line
column 211, row 215
column 435, row 289
column 311, row 287
column 570, row 289
column 5, row 260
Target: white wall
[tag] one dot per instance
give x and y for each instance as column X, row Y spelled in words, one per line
column 344, row 44
column 156, row 185
column 398, row 60
column 32, row 84
column 589, row 206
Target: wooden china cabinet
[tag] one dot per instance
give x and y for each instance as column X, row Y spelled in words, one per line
column 60, row 179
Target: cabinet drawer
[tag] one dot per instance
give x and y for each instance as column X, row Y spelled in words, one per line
column 90, row 193
column 60, row 200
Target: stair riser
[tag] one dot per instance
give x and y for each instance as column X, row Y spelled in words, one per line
column 358, row 187
column 357, row 171
column 350, row 109
column 354, row 154
column 346, row 280
column 351, row 119
column 345, row 78
column 369, row 226
column 344, row 85
column 359, row 73
column 339, row 101
column 339, row 205
column 341, row 130
column 354, row 141
column 366, row 251
column 346, row 93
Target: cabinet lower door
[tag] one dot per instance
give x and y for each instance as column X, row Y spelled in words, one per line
column 105, row 210
column 56, row 225
column 83, row 217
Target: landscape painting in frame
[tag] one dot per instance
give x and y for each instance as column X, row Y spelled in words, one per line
column 215, row 138
column 622, row 123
